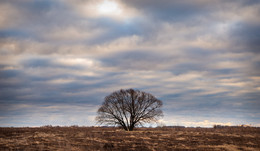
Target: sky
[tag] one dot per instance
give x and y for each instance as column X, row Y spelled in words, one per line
column 59, row 59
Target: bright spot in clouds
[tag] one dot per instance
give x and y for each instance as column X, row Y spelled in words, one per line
column 76, row 61
column 109, row 8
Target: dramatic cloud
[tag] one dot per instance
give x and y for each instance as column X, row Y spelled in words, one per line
column 59, row 59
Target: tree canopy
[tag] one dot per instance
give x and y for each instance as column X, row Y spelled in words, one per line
column 129, row 108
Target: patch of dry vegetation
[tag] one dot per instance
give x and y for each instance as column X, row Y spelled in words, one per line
column 90, row 138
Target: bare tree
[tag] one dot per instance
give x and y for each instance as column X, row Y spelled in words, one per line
column 129, row 108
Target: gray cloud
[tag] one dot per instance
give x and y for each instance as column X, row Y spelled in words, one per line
column 172, row 10
column 247, row 36
column 137, row 60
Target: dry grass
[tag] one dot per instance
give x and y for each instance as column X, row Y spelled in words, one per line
column 88, row 138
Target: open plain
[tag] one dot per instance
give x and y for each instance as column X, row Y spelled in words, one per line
column 98, row 138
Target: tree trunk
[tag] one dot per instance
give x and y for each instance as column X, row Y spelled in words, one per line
column 131, row 128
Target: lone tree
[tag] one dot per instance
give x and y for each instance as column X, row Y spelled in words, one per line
column 129, row 108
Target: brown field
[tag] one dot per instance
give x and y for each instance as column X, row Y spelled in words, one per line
column 91, row 138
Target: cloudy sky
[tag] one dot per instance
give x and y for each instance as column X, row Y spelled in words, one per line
column 59, row 59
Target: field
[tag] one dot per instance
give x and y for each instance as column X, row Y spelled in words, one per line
column 97, row 138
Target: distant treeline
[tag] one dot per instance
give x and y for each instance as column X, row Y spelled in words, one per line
column 226, row 126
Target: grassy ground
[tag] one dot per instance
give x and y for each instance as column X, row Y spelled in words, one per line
column 88, row 138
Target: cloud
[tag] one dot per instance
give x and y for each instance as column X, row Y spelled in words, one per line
column 47, row 114
column 200, row 57
column 206, row 123
column 246, row 35
column 143, row 60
